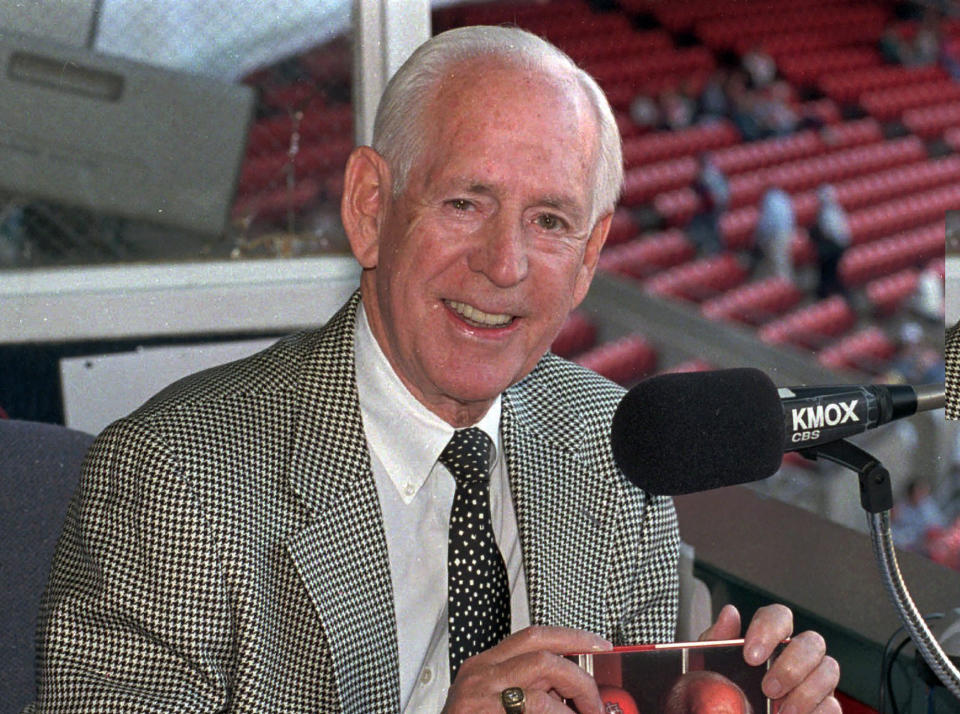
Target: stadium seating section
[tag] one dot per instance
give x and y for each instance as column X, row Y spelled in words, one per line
column 885, row 135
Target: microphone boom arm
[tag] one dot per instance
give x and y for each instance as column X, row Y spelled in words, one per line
column 876, row 497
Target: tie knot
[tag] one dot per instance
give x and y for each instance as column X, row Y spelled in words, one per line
column 467, row 455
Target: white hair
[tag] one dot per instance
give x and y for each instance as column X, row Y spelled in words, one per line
column 399, row 129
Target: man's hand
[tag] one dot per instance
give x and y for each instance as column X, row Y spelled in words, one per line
column 803, row 677
column 532, row 660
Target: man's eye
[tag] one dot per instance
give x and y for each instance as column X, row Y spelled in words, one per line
column 549, row 222
column 460, row 204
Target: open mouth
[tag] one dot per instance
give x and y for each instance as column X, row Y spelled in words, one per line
column 476, row 317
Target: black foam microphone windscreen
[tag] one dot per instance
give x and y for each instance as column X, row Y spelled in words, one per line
column 679, row 433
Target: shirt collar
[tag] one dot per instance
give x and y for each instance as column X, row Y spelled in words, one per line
column 402, row 433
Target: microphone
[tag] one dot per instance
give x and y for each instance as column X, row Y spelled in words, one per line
column 679, row 433
column 817, row 415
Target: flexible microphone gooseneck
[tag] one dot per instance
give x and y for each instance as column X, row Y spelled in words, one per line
column 680, row 433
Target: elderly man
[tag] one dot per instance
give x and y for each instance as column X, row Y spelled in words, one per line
column 312, row 529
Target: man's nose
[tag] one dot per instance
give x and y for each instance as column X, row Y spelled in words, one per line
column 501, row 253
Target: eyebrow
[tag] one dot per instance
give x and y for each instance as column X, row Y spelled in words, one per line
column 556, row 201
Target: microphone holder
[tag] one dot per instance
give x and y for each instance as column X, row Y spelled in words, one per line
column 876, row 497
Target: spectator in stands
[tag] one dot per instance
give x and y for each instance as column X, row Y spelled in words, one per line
column 713, row 103
column 742, row 106
column 893, row 48
column 830, row 235
column 773, row 112
column 925, row 49
column 645, row 112
column 760, row 68
column 927, row 300
column 915, row 515
column 950, row 56
column 773, row 237
column 918, row 361
column 922, row 50
column 676, row 109
column 713, row 190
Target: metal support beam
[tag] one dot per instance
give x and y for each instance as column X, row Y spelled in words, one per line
column 386, row 32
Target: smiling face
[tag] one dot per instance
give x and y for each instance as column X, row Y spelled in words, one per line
column 470, row 272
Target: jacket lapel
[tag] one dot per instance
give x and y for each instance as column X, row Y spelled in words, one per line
column 565, row 512
column 342, row 554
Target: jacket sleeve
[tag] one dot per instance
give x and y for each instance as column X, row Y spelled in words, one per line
column 647, row 550
column 135, row 616
column 952, row 371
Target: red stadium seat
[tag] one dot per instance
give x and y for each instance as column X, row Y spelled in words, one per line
column 743, row 32
column 638, row 68
column 642, row 183
column 848, row 86
column 622, row 228
column 931, row 122
column 888, row 294
column 805, row 69
column 690, row 365
column 868, row 350
column 624, row 361
column 629, row 44
column 889, row 104
column 645, row 256
column 758, row 154
column 898, row 182
column 912, row 248
column 578, row 334
column 812, row 326
column 852, row 133
column 952, row 137
column 663, row 145
column 754, row 303
column 677, row 207
column 903, row 213
column 700, row 280
column 802, row 174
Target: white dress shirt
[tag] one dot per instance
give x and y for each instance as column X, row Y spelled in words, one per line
column 416, row 493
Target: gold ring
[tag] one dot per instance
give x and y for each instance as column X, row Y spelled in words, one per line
column 513, row 700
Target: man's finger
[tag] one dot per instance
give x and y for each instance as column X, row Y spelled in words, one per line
column 815, row 692
column 768, row 628
column 830, row 705
column 558, row 640
column 726, row 627
column 536, row 673
column 802, row 664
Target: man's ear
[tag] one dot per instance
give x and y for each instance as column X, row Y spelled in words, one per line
column 591, row 254
column 366, row 188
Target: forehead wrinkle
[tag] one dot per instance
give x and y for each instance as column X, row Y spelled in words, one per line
column 454, row 106
column 562, row 203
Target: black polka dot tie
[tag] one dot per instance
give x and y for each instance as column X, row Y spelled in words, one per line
column 478, row 593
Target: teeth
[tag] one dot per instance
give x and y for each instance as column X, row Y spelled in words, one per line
column 469, row 312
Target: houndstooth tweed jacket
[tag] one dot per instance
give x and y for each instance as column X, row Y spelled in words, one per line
column 226, row 551
column 952, row 363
